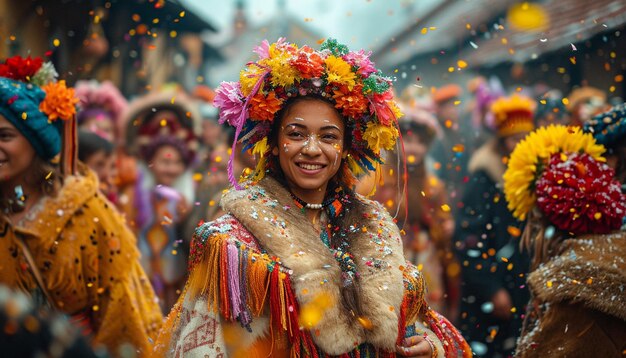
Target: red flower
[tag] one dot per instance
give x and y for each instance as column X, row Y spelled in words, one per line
column 380, row 106
column 20, row 69
column 580, row 195
column 308, row 63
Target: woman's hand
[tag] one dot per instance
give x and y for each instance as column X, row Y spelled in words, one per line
column 417, row 346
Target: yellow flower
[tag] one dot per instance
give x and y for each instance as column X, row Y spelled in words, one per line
column 248, row 77
column 531, row 155
column 380, row 137
column 283, row 73
column 60, row 101
column 340, row 72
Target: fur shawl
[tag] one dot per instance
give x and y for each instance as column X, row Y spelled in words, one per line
column 285, row 232
column 590, row 270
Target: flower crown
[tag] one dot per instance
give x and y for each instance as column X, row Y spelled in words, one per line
column 560, row 169
column 59, row 102
column 347, row 79
column 609, row 128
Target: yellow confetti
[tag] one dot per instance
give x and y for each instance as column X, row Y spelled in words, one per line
column 411, row 159
column 450, row 69
column 458, row 148
column 173, row 34
column 597, row 216
column 549, row 284
column 174, row 252
column 95, row 308
column 163, row 123
column 365, row 322
column 445, row 208
column 457, row 102
column 197, row 177
column 461, row 63
column 24, row 115
column 514, row 231
column 56, row 42
column 311, row 312
column 424, row 31
column 565, row 101
column 182, row 14
column 612, row 89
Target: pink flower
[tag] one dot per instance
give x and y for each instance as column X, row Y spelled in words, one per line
column 230, row 102
column 379, row 105
column 361, row 59
column 262, row 50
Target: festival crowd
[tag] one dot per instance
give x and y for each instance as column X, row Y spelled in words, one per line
column 310, row 209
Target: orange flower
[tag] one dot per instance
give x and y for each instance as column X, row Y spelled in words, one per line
column 352, row 103
column 263, row 108
column 60, row 101
column 308, row 62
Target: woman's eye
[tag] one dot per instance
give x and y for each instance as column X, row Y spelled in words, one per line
column 295, row 135
column 330, row 137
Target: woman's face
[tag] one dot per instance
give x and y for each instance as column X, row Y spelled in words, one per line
column 310, row 147
column 511, row 141
column 16, row 152
column 167, row 165
column 102, row 164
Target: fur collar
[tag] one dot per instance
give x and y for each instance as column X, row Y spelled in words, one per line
column 590, row 270
column 268, row 212
column 487, row 158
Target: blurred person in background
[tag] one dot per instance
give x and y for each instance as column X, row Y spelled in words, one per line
column 98, row 154
column 551, row 110
column 162, row 132
column 450, row 152
column 492, row 266
column 585, row 102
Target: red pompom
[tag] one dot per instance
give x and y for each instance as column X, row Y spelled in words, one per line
column 580, row 195
column 20, row 69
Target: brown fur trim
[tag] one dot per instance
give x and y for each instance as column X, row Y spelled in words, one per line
column 590, row 270
column 487, row 158
column 285, row 232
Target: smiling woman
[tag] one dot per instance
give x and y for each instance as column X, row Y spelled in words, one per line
column 61, row 241
column 301, row 265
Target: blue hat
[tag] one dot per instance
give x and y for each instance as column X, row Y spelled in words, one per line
column 19, row 103
column 608, row 128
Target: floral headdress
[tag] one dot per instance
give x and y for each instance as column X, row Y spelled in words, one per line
column 512, row 115
column 34, row 101
column 609, row 128
column 561, row 171
column 347, row 79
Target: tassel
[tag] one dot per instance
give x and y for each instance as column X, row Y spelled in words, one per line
column 234, row 289
column 69, row 143
column 223, row 280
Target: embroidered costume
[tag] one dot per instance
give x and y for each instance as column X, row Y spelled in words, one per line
column 261, row 280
